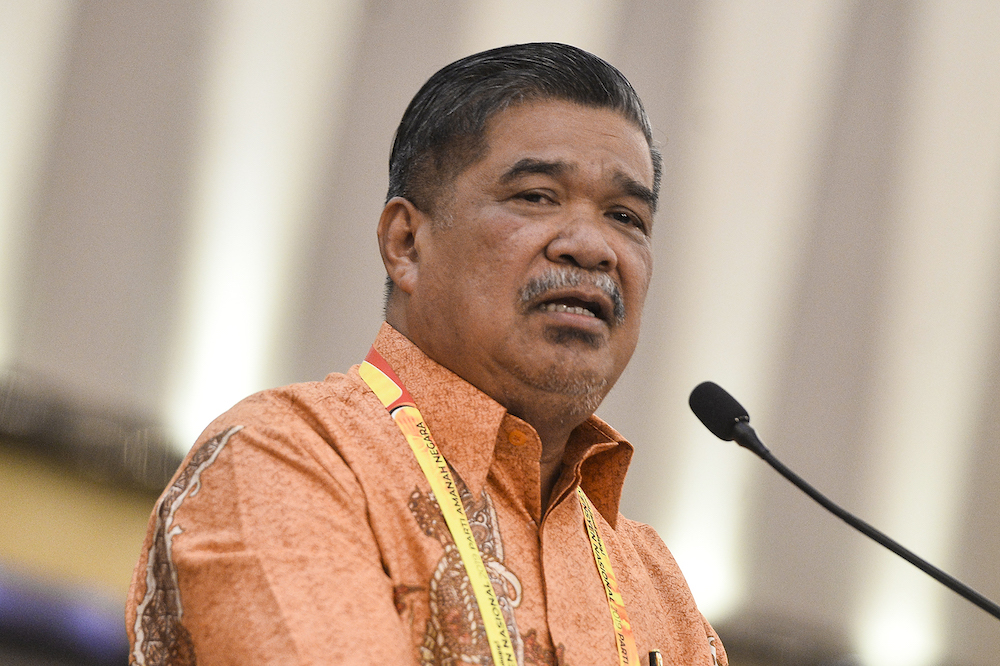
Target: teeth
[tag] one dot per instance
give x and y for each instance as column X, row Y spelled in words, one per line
column 573, row 309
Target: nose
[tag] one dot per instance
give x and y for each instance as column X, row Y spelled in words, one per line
column 582, row 241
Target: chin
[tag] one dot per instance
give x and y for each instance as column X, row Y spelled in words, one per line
column 583, row 388
column 566, row 335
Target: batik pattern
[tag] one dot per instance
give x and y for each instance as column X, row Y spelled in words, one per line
column 160, row 637
column 455, row 633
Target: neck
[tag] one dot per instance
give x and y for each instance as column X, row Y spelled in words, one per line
column 554, row 434
column 553, row 415
column 550, row 471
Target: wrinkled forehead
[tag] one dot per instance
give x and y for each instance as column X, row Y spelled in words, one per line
column 554, row 137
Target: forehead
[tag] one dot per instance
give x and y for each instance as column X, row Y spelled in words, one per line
column 581, row 137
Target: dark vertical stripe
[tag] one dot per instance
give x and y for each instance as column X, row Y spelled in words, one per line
column 804, row 562
column 104, row 259
column 655, row 48
column 338, row 305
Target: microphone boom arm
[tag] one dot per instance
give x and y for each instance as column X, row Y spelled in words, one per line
column 746, row 437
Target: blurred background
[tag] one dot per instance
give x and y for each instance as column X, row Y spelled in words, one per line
column 188, row 199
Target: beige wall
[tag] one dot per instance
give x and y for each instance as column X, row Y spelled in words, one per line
column 188, row 216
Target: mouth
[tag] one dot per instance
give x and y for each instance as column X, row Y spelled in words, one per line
column 574, row 306
column 575, row 296
column 581, row 307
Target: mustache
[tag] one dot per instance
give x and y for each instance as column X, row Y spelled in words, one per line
column 561, row 278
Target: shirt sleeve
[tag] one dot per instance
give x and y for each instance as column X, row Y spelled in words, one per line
column 260, row 552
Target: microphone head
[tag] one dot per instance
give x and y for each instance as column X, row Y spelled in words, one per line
column 718, row 410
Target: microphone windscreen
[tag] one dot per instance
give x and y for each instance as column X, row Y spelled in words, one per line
column 718, row 410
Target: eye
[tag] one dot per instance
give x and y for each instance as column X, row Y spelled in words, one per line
column 535, row 197
column 627, row 218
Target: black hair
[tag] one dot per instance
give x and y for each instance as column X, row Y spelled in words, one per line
column 443, row 129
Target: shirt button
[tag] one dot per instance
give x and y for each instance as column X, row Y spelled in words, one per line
column 516, row 437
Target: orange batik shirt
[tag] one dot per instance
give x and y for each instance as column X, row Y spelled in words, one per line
column 301, row 530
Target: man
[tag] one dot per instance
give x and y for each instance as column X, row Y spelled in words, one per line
column 452, row 499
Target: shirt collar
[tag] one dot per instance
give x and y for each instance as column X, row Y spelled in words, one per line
column 458, row 415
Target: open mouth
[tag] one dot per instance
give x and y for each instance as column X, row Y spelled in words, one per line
column 573, row 306
column 576, row 292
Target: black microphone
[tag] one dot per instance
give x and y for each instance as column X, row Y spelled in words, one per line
column 728, row 420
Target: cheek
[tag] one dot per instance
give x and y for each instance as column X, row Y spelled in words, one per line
column 480, row 282
column 502, row 259
column 637, row 271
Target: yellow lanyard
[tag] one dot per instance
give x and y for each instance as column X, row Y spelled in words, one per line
column 628, row 654
column 375, row 371
column 383, row 381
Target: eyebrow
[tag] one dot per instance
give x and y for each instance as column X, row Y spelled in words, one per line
column 529, row 165
column 634, row 188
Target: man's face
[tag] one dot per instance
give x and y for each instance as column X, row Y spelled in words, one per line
column 533, row 271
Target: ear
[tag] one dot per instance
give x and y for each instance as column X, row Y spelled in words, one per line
column 397, row 235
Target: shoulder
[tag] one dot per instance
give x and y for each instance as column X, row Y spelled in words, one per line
column 295, row 405
column 283, row 447
column 308, row 430
column 266, row 500
column 300, row 414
